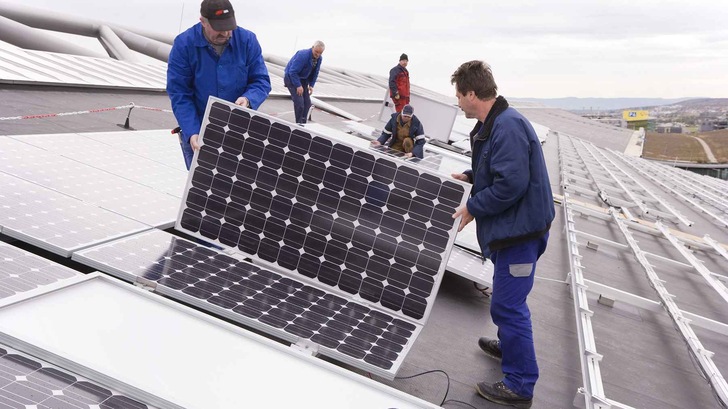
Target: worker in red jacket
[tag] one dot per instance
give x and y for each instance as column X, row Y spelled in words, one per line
column 399, row 84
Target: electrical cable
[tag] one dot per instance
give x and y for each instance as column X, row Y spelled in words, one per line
column 428, row 372
column 459, row 402
column 483, row 290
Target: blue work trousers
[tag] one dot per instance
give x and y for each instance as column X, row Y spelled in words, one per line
column 301, row 103
column 513, row 276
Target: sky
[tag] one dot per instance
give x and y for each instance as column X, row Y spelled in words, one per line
column 536, row 48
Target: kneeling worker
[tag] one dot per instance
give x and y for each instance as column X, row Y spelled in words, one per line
column 407, row 133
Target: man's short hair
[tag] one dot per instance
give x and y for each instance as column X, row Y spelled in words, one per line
column 319, row 44
column 475, row 76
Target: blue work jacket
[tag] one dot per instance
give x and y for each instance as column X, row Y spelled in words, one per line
column 195, row 72
column 300, row 67
column 511, row 199
column 416, row 132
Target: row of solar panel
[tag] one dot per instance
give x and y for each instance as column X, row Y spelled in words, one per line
column 373, row 231
column 29, row 382
column 256, row 296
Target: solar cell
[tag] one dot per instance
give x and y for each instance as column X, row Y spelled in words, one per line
column 157, row 145
column 471, row 266
column 27, row 382
column 353, row 219
column 170, row 180
column 87, row 183
column 56, row 222
column 22, row 271
column 430, row 160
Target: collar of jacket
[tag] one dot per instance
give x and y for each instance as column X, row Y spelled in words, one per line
column 201, row 41
column 481, row 132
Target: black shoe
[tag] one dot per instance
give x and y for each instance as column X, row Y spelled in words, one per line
column 499, row 393
column 491, row 347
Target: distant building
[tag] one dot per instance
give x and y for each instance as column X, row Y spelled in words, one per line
column 637, row 119
column 714, row 125
column 706, row 126
column 669, row 128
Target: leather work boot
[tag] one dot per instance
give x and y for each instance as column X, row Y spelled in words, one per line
column 491, row 347
column 499, row 393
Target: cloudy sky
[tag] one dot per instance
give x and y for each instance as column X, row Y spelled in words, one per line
column 541, row 49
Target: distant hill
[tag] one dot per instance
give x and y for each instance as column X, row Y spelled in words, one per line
column 602, row 104
column 700, row 103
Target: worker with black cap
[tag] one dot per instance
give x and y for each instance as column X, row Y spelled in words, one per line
column 216, row 58
column 399, row 84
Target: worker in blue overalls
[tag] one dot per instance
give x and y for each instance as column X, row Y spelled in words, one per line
column 512, row 205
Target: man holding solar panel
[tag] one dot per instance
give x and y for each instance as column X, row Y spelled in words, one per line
column 216, row 58
column 512, row 205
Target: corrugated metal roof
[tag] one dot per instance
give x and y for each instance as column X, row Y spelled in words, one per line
column 18, row 66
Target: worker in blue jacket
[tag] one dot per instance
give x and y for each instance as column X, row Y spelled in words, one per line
column 300, row 77
column 217, row 58
column 406, row 132
column 512, row 205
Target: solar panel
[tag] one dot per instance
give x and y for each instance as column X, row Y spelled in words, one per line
column 345, row 329
column 103, row 156
column 354, row 220
column 471, row 266
column 429, row 160
column 174, row 356
column 444, row 163
column 21, row 271
column 468, row 238
column 432, row 161
column 157, row 145
column 27, row 382
column 56, row 222
column 87, row 183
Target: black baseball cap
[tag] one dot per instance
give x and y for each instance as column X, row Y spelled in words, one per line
column 220, row 14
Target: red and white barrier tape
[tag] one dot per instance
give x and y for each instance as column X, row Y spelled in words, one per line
column 90, row 111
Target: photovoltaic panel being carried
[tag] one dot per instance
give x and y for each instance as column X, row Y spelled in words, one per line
column 354, row 222
column 348, row 218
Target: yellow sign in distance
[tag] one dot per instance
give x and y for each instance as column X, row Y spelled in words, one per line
column 634, row 115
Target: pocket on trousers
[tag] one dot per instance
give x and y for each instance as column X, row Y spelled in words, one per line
column 520, row 270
